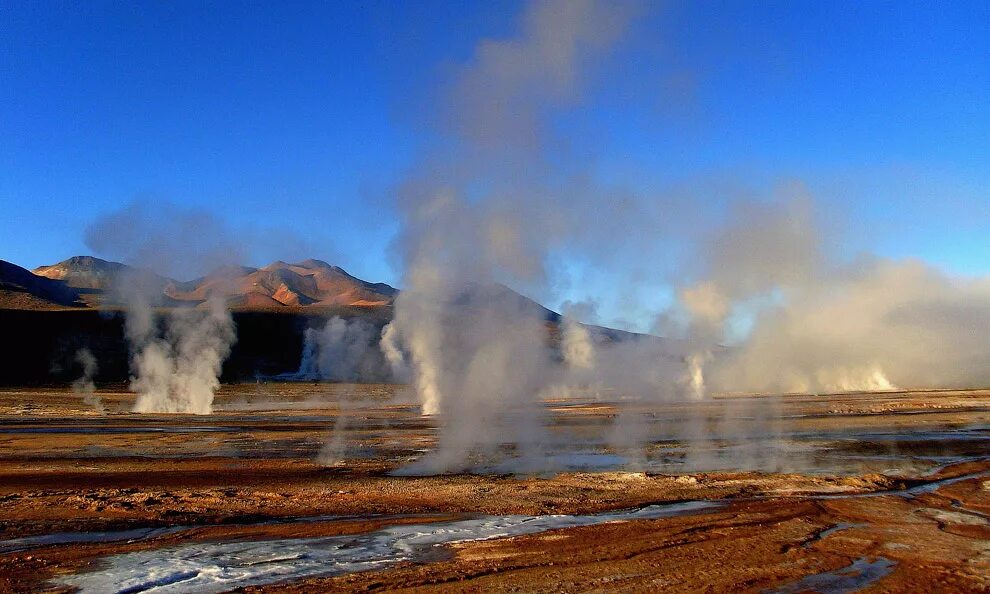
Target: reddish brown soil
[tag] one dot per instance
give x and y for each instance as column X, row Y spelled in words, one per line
column 769, row 534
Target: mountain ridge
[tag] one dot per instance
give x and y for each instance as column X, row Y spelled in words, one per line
column 311, row 286
column 310, row 283
column 273, row 309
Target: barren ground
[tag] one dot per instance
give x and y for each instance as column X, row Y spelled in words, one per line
column 843, row 493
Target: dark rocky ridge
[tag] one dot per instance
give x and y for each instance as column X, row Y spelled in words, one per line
column 21, row 289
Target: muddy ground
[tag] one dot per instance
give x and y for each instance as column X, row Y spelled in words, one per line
column 838, row 493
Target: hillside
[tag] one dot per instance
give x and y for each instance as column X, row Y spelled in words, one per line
column 74, row 304
column 308, row 283
column 21, row 289
column 84, row 272
column 311, row 283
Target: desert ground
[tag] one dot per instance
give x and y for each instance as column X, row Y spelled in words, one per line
column 297, row 487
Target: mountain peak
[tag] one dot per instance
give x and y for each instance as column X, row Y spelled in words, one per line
column 314, row 263
column 83, row 272
column 310, row 282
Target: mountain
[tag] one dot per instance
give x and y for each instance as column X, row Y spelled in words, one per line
column 21, row 289
column 73, row 304
column 84, row 272
column 476, row 297
column 96, row 279
column 310, row 286
column 311, row 283
column 307, row 286
column 308, row 283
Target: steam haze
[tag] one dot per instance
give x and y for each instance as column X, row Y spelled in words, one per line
column 504, row 208
column 176, row 353
column 497, row 202
column 524, row 295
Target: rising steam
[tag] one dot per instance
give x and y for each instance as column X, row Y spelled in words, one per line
column 821, row 324
column 496, row 203
column 496, row 200
column 342, row 350
column 84, row 385
column 177, row 356
column 177, row 348
column 478, row 353
column 576, row 346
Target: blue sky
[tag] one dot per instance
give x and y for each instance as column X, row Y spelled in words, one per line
column 293, row 121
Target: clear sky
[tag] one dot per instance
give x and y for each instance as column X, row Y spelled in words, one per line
column 293, row 120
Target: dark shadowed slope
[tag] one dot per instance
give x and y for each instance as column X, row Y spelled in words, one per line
column 21, row 289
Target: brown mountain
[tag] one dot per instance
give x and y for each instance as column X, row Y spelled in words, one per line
column 307, row 286
column 96, row 279
column 84, row 272
column 272, row 307
column 308, row 283
column 311, row 283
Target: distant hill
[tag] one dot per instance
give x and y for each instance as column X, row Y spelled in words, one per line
column 84, row 272
column 308, row 283
column 311, row 286
column 480, row 296
column 311, row 283
column 21, row 289
column 97, row 280
column 74, row 304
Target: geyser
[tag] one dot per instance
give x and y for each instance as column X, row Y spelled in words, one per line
column 177, row 348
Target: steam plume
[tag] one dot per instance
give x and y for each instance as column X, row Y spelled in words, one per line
column 84, row 385
column 177, row 350
column 578, row 350
column 495, row 202
column 343, row 350
column 824, row 324
column 482, row 211
column 177, row 370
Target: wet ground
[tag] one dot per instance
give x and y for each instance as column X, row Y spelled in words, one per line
column 302, row 487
